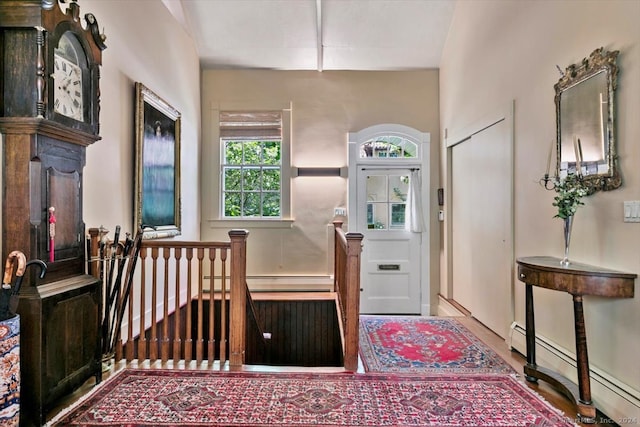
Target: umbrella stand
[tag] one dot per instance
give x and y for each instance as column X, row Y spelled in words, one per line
column 10, row 379
column 10, row 336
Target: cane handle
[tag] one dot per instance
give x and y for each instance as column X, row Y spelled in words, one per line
column 8, row 266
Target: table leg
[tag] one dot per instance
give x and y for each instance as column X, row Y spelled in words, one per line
column 584, row 384
column 531, row 330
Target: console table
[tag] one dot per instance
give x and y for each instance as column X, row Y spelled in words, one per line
column 578, row 280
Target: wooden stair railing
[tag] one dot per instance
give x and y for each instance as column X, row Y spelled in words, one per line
column 347, row 250
column 165, row 315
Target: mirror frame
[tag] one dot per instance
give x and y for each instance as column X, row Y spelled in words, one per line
column 574, row 74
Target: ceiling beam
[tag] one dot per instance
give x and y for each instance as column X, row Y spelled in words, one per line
column 319, row 47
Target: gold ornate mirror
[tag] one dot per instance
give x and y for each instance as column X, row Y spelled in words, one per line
column 585, row 118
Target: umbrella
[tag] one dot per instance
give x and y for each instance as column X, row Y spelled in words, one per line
column 9, row 294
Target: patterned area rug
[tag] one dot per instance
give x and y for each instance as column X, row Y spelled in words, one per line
column 199, row 398
column 424, row 345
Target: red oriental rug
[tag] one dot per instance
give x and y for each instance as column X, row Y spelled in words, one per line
column 425, row 345
column 144, row 398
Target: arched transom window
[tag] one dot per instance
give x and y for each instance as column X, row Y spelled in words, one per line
column 389, row 146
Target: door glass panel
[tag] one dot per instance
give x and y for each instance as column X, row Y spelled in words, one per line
column 398, row 188
column 398, row 215
column 386, row 201
column 377, row 188
column 379, row 216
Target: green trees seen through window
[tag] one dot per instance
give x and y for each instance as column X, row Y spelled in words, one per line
column 251, row 178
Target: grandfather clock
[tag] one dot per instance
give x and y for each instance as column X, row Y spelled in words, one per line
column 49, row 106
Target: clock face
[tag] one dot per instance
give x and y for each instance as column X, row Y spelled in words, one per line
column 67, row 92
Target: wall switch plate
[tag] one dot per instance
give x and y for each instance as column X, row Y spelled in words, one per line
column 340, row 212
column 632, row 211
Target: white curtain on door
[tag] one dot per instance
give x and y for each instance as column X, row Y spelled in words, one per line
column 414, row 203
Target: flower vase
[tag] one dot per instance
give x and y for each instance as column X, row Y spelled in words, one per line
column 568, row 223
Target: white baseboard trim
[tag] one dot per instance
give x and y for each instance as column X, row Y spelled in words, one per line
column 446, row 309
column 322, row 283
column 290, row 283
column 429, row 309
column 611, row 396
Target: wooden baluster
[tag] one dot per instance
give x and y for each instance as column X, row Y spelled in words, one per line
column 211, row 350
column 188, row 342
column 200, row 341
column 153, row 342
column 165, row 307
column 177, row 342
column 158, row 344
column 142, row 340
column 223, row 307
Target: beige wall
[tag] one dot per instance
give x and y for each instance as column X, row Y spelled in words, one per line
column 144, row 44
column 325, row 107
column 498, row 51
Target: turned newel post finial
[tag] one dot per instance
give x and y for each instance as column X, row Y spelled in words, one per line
column 48, row 4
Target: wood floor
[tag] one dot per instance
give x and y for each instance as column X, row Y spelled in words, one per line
column 517, row 360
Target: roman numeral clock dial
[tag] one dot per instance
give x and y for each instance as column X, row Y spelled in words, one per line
column 67, row 92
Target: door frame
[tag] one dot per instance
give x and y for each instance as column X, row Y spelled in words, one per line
column 506, row 113
column 423, row 140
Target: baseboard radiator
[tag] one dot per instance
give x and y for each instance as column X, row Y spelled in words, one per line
column 619, row 401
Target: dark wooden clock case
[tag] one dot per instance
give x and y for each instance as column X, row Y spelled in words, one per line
column 43, row 161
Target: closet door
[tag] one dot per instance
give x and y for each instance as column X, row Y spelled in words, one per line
column 482, row 226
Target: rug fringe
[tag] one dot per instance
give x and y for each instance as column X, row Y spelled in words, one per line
column 539, row 396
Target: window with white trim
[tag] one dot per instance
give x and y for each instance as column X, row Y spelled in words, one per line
column 252, row 161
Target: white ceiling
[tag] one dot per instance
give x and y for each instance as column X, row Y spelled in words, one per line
column 316, row 34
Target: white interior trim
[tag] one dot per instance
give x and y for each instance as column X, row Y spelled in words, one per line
column 446, row 309
column 286, row 283
column 506, row 112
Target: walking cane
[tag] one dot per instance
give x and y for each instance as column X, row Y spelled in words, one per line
column 15, row 297
column 6, row 291
column 122, row 302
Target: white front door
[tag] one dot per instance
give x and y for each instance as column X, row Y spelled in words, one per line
column 390, row 270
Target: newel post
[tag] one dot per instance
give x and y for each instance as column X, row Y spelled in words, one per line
column 354, row 249
column 337, row 227
column 93, row 264
column 93, row 251
column 238, row 298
